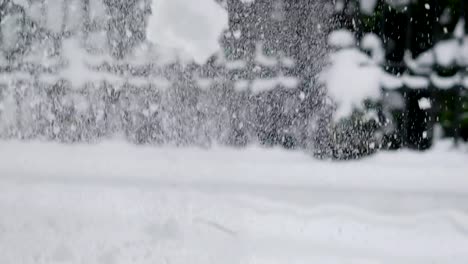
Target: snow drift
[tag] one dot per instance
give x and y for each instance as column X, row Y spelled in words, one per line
column 117, row 203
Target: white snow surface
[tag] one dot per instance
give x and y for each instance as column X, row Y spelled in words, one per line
column 192, row 28
column 118, row 203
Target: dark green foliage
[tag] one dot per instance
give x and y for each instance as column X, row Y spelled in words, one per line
column 412, row 30
column 354, row 137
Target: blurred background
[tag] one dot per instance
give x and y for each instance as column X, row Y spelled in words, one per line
column 340, row 79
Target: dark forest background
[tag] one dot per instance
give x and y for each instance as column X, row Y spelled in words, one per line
column 262, row 88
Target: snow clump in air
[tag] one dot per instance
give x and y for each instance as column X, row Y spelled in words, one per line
column 192, row 28
column 352, row 76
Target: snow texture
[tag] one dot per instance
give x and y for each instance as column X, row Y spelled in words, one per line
column 372, row 43
column 341, row 38
column 424, row 103
column 11, row 31
column 446, row 52
column 350, row 79
column 368, row 6
column 262, row 85
column 193, row 28
column 117, row 203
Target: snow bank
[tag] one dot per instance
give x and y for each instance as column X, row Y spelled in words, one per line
column 116, row 161
column 445, row 83
column 191, row 27
column 116, row 203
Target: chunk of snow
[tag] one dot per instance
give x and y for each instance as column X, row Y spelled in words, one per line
column 341, row 38
column 339, row 5
column 394, row 100
column 235, row 64
column 302, row 96
column 424, row 103
column 465, row 83
column 350, row 79
column 422, row 64
column 447, row 52
column 190, row 27
column 426, row 59
column 445, row 82
column 204, row 83
column 459, row 31
column 390, row 81
column 288, row 82
column 373, row 43
column 415, row 82
column 263, row 85
column 237, row 34
column 241, row 85
column 368, row 6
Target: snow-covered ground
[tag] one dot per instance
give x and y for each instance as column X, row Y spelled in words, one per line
column 116, row 203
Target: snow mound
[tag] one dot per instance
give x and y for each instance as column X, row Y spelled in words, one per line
column 190, row 27
column 116, row 203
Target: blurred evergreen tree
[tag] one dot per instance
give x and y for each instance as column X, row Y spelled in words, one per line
column 411, row 28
